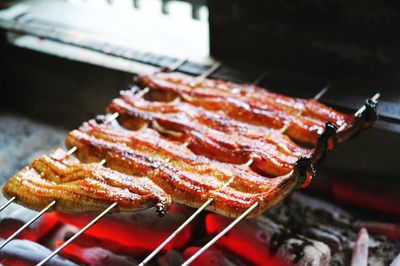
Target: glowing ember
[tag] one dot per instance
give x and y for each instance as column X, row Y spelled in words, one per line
column 211, row 256
column 94, row 256
column 34, row 232
column 135, row 234
column 243, row 240
column 366, row 197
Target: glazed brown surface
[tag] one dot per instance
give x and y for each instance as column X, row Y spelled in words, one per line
column 304, row 118
column 190, row 179
column 189, row 140
column 212, row 135
column 78, row 187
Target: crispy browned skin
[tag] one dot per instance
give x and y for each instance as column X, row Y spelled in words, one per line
column 305, row 118
column 272, row 153
column 214, row 120
column 78, row 187
column 189, row 179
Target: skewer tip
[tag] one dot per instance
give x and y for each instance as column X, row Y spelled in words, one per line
column 322, row 92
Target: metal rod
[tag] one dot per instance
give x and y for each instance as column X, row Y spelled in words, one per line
column 222, row 233
column 7, row 203
column 260, row 78
column 362, row 108
column 182, row 226
column 55, row 252
column 244, row 214
column 359, row 111
column 51, row 204
column 175, row 233
column 175, row 66
column 322, row 92
column 112, row 117
column 316, row 97
column 71, row 151
column 210, row 71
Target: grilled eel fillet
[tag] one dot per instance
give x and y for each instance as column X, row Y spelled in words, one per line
column 214, row 136
column 78, row 187
column 304, row 118
column 190, row 179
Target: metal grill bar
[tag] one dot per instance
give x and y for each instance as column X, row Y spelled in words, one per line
column 31, row 221
column 7, row 203
column 222, row 233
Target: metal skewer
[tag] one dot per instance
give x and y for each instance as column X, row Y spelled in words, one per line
column 7, row 203
column 322, row 92
column 45, row 209
column 175, row 66
column 316, row 97
column 212, row 69
column 66, row 243
column 244, row 214
column 237, row 220
column 222, row 233
column 188, row 220
column 260, row 78
column 49, row 206
column 374, row 98
column 175, row 233
column 360, row 110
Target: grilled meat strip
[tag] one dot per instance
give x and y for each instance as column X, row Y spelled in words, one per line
column 304, row 118
column 214, row 120
column 78, row 187
column 272, row 154
column 190, row 179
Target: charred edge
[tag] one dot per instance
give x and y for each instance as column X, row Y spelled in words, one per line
column 370, row 113
column 304, row 168
column 160, row 209
column 165, row 69
column 322, row 148
column 135, row 89
column 100, row 119
column 366, row 118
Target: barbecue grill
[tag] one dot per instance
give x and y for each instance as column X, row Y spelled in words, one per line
column 21, row 35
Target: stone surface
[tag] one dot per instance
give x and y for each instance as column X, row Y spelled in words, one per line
column 22, row 140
